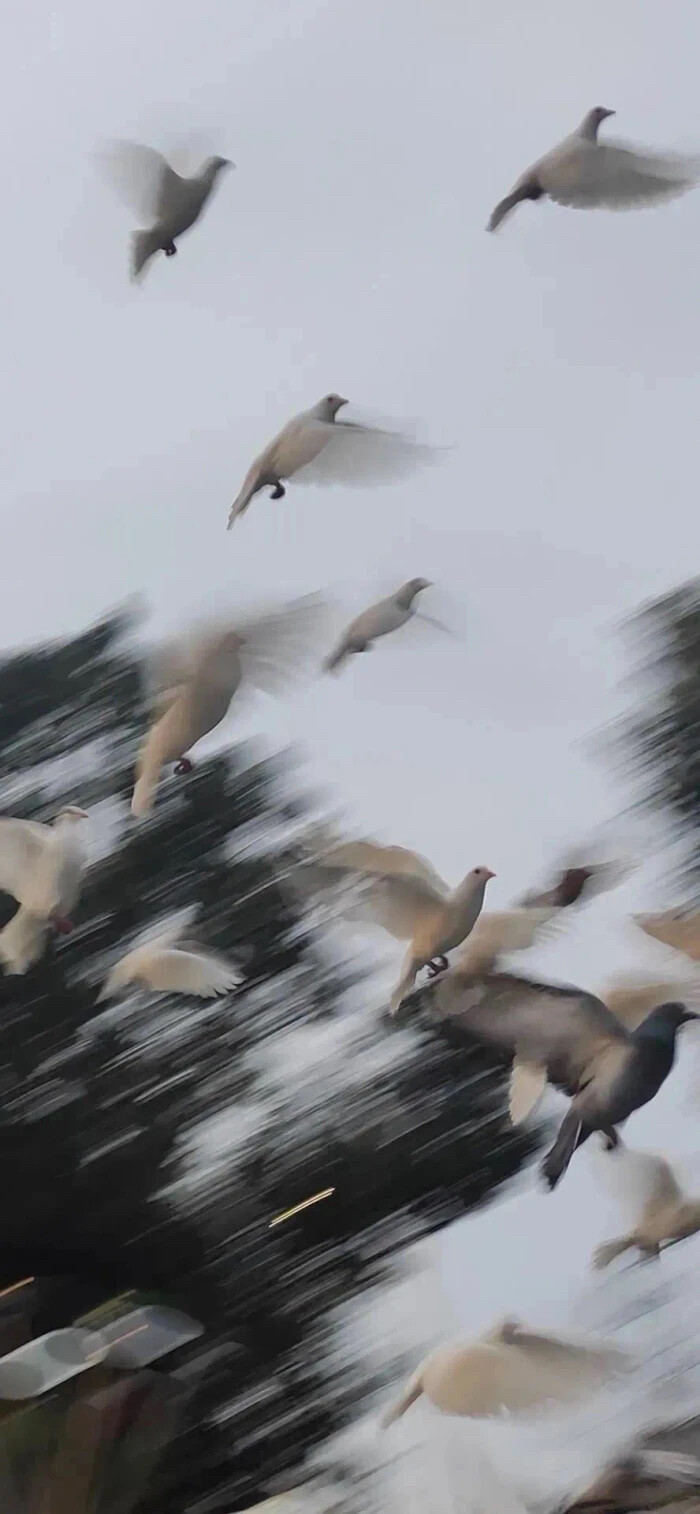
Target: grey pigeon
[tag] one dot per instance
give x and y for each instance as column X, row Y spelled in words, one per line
column 379, row 620
column 329, row 452
column 152, row 187
column 576, row 1042
column 586, row 174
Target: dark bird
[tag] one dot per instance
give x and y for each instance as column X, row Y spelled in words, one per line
column 569, row 1038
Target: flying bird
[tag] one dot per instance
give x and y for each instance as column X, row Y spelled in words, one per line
column 168, row 968
column 151, row 187
column 586, row 174
column 510, row 1369
column 406, row 897
column 664, row 1212
column 569, row 1038
column 41, row 866
column 379, row 620
column 195, row 679
column 676, row 928
column 323, row 450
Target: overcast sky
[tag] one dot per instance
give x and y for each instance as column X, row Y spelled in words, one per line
column 347, row 251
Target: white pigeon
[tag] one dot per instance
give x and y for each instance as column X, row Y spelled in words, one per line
column 195, row 679
column 509, row 1369
column 154, row 190
column 164, row 967
column 407, row 898
column 585, row 174
column 379, row 620
column 325, row 451
column 664, row 1213
column 41, row 866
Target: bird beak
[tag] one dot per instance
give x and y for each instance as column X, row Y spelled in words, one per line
column 689, row 1015
column 605, row 113
column 342, row 402
column 489, row 874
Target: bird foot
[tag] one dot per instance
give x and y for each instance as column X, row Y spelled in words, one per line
column 278, row 492
column 438, row 965
column 170, row 249
column 63, row 924
column 183, row 766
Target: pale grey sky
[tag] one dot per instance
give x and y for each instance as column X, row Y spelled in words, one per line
column 348, row 252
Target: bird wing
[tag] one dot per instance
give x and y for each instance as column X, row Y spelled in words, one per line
column 384, row 861
column 563, row 1029
column 141, row 177
column 497, row 933
column 579, row 876
column 23, row 845
column 401, row 905
column 277, row 645
column 632, row 999
column 363, row 456
column 528, row 1082
column 675, row 928
column 175, row 970
column 555, row 1368
column 618, row 178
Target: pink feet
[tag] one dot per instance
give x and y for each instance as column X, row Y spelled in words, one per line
column 183, row 766
column 63, row 924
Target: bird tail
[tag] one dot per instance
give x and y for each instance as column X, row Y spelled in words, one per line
column 335, row 660
column 671, row 1464
column 144, row 245
column 22, row 942
column 503, row 209
column 144, row 792
column 241, row 502
column 605, row 1254
column 411, row 1392
column 571, row 1134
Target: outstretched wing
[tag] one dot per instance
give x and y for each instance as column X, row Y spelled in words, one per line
column 361, row 456
column 677, row 928
column 22, row 845
column 617, row 178
column 562, row 1029
column 497, row 933
column 141, row 177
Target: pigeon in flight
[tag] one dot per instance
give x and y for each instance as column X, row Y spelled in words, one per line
column 165, row 966
column 379, row 620
column 509, row 1369
column 323, row 450
column 566, row 1037
column 584, row 173
column 41, row 866
column 664, row 1212
column 152, row 188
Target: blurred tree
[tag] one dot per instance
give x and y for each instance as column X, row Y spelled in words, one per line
column 160, row 1143
column 661, row 737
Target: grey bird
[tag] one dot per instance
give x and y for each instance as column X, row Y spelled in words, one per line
column 573, row 1041
column 379, row 620
column 587, row 174
column 326, row 451
column 171, row 202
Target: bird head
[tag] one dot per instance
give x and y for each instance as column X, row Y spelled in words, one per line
column 328, row 407
column 417, row 585
column 72, row 813
column 215, row 165
column 666, row 1019
column 600, row 113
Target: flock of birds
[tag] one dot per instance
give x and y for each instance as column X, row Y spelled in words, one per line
column 609, row 1054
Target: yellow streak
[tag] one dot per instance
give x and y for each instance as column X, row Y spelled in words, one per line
column 14, row 1286
column 315, row 1199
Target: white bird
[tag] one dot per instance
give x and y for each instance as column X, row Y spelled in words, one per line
column 155, row 191
column 379, row 620
column 41, row 866
column 584, row 173
column 164, row 967
column 329, row 452
column 195, row 679
column 664, row 1213
column 510, row 1369
column 407, row 898
column 676, row 928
